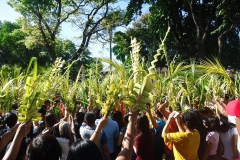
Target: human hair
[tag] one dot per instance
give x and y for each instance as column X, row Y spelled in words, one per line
column 14, row 106
column 226, row 125
column 66, row 132
column 50, row 120
column 207, row 111
column 44, row 147
column 143, row 127
column 84, row 150
column 11, row 120
column 190, row 119
column 47, row 101
column 118, row 117
column 80, row 117
column 202, row 131
column 158, row 113
column 213, row 123
column 90, row 118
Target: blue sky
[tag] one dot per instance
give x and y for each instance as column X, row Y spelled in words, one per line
column 68, row 32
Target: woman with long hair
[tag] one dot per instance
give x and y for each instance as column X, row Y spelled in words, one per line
column 66, row 138
column 144, row 141
column 212, row 138
column 229, row 137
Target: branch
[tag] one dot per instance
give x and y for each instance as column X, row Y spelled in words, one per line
column 209, row 20
column 195, row 19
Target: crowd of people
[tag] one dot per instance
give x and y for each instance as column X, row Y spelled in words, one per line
column 155, row 134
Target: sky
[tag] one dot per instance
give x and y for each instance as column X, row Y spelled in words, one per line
column 68, row 32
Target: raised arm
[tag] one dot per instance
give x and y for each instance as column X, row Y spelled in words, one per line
column 154, row 123
column 5, row 139
column 96, row 135
column 162, row 109
column 166, row 127
column 21, row 132
column 128, row 140
column 220, row 107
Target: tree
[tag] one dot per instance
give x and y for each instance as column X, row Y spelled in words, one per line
column 198, row 28
column 13, row 50
column 42, row 21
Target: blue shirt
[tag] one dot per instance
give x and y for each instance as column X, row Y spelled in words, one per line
column 159, row 142
column 112, row 132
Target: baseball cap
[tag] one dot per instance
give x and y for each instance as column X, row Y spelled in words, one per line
column 233, row 108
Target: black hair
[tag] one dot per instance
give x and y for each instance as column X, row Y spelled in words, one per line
column 143, row 127
column 213, row 123
column 80, row 117
column 11, row 120
column 84, row 150
column 43, row 109
column 50, row 120
column 118, row 117
column 47, row 101
column 90, row 118
column 158, row 113
column 226, row 125
column 14, row 106
column 190, row 119
column 44, row 147
column 202, row 131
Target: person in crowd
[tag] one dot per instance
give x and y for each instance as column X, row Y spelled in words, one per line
column 18, row 132
column 118, row 117
column 187, row 140
column 66, row 138
column 229, row 138
column 123, row 130
column 14, row 108
column 158, row 124
column 162, row 107
column 202, row 131
column 22, row 150
column 78, row 122
column 44, row 147
column 39, row 126
column 47, row 103
column 144, row 141
column 11, row 121
column 87, row 149
column 50, row 125
column 112, row 133
column 88, row 129
column 212, row 138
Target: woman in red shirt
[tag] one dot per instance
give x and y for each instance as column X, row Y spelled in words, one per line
column 144, row 141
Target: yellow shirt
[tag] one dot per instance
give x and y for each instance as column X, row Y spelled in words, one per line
column 185, row 144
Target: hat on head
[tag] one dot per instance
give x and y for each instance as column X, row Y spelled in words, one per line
column 233, row 108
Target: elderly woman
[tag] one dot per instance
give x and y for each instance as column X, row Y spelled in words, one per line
column 187, row 137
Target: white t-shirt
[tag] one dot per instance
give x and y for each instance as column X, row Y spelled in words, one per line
column 232, row 119
column 227, row 142
column 213, row 137
column 64, row 143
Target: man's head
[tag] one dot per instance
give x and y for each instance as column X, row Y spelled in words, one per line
column 90, row 118
column 11, row 120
